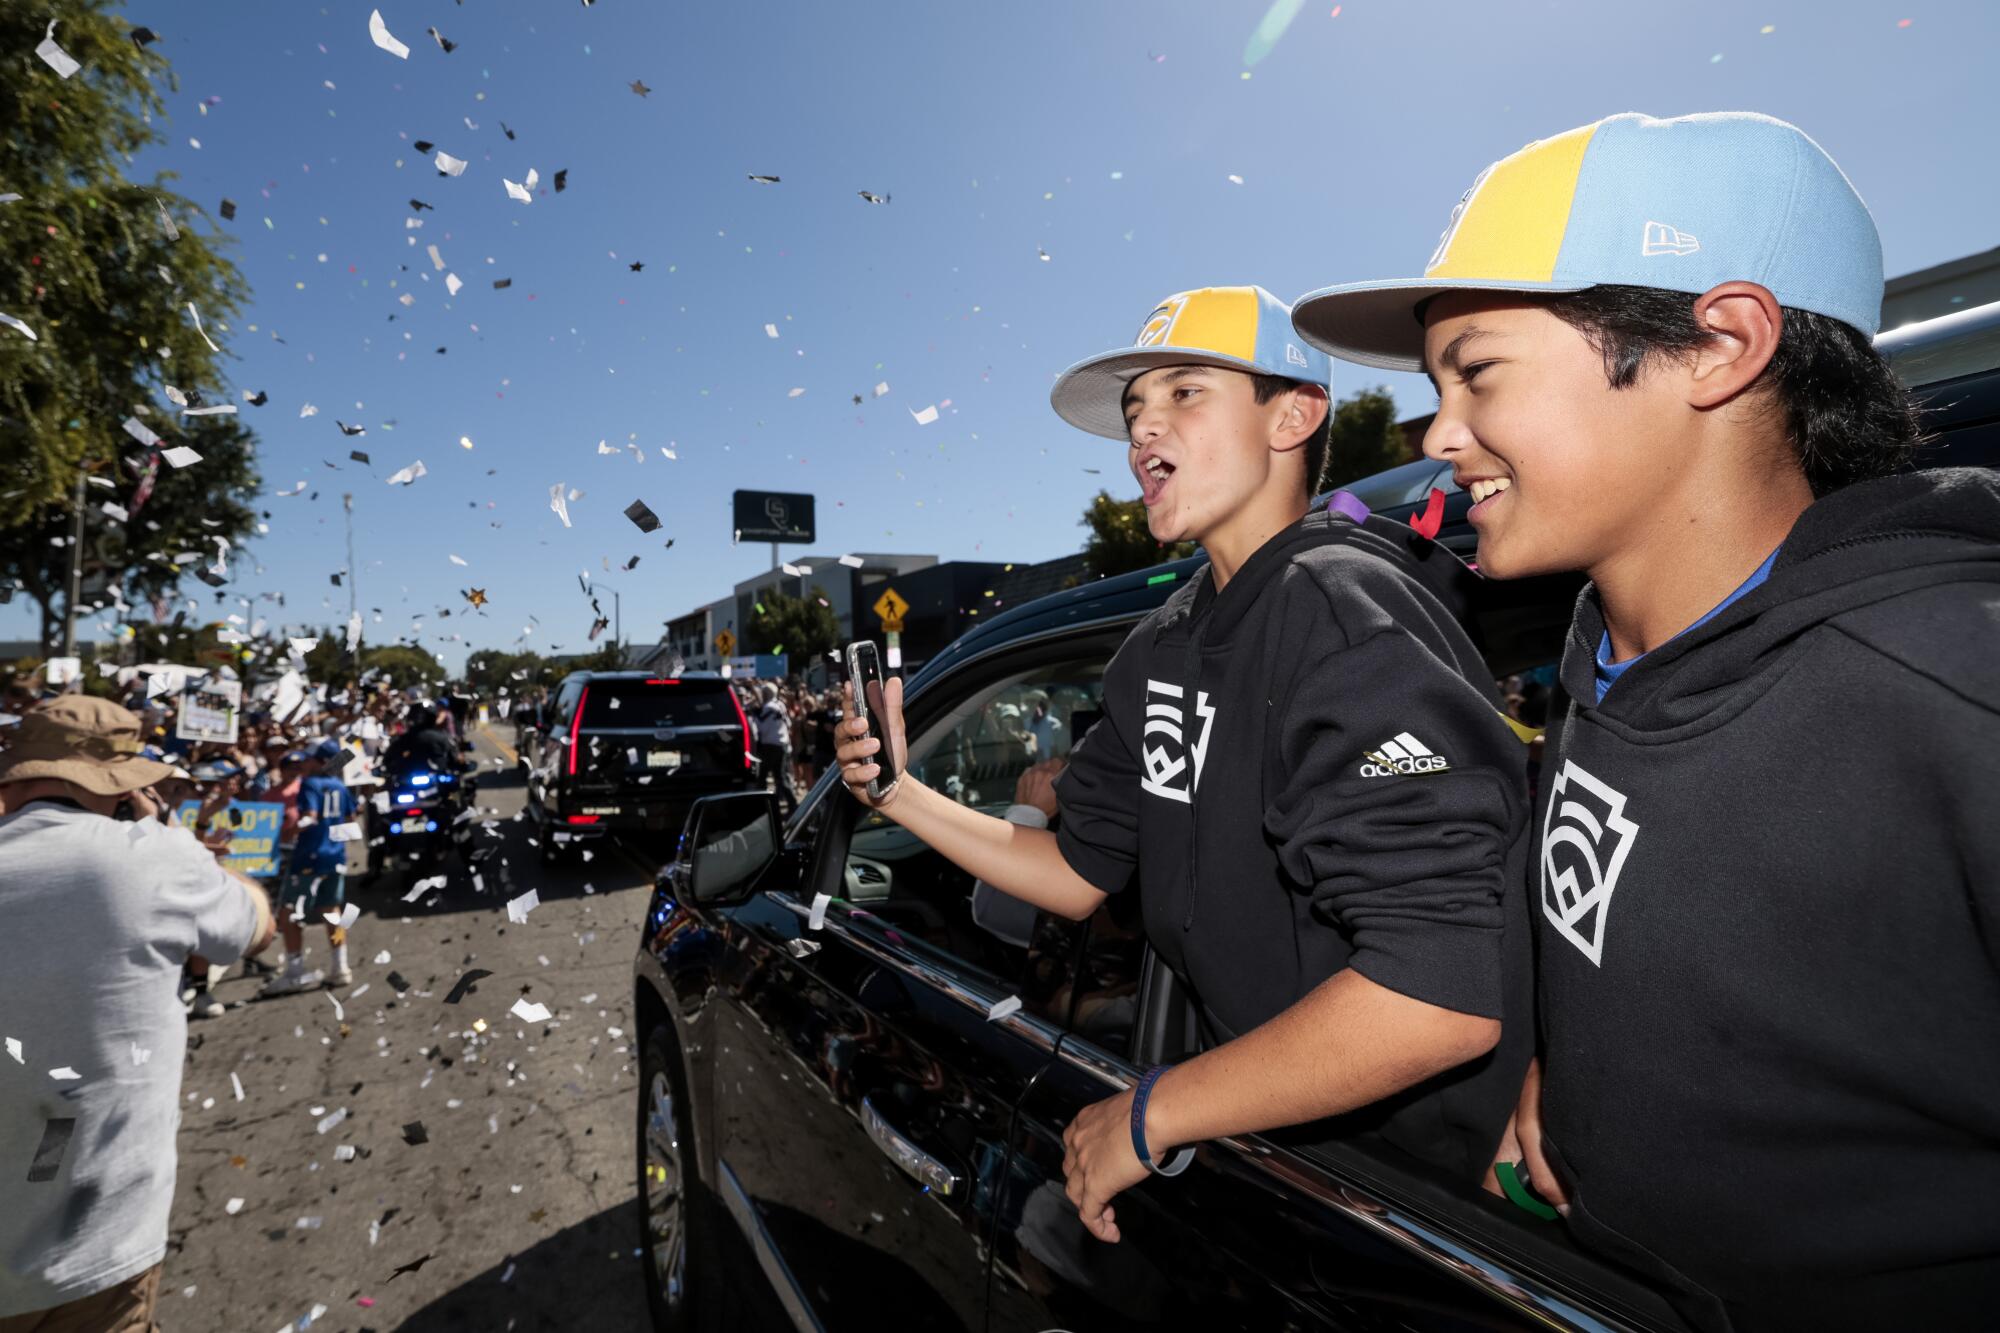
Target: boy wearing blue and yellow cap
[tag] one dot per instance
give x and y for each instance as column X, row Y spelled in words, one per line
column 1300, row 766
column 1769, row 879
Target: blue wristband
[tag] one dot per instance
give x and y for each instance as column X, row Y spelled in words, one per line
column 1177, row 1161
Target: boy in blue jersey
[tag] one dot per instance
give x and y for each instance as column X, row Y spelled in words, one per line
column 314, row 887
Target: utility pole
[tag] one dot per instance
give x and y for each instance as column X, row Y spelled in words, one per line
column 75, row 581
column 353, row 575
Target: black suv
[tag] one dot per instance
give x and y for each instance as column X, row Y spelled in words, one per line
column 624, row 751
column 853, row 1127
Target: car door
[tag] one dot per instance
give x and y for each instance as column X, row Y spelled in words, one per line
column 550, row 738
column 864, row 1085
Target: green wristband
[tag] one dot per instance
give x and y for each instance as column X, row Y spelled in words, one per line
column 1509, row 1176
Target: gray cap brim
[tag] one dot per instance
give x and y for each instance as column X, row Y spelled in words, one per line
column 1090, row 395
column 1376, row 324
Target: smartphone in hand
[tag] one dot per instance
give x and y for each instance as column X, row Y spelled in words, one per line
column 864, row 672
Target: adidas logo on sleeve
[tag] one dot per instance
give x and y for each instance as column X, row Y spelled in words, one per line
column 1404, row 754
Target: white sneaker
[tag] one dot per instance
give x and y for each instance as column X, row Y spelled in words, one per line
column 289, row 983
column 205, row 1006
column 343, row 977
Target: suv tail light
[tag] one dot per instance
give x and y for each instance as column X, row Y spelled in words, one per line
column 748, row 759
column 576, row 725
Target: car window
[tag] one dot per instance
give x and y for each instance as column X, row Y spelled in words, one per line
column 978, row 754
column 652, row 704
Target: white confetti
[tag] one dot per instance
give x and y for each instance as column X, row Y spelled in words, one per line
column 331, row 1121
column 770, row 330
column 794, row 393
column 14, row 1049
column 141, row 432
column 529, row 1012
column 308, row 411
column 452, row 282
column 236, row 1084
column 449, row 165
column 344, row 833
column 339, row 1014
column 457, row 560
column 404, row 476
column 1002, row 1008
column 821, row 901
column 381, row 959
column 58, row 59
column 13, row 323
column 927, row 416
column 524, row 192
column 882, row 389
column 379, row 33
column 518, row 908
column 199, row 329
column 556, row 503
column 220, row 410
column 116, row 511
column 851, row 561
column 64, row 1074
column 422, row 887
column 180, row 456
column 233, row 1207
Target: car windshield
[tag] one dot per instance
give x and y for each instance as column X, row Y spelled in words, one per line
column 647, row 705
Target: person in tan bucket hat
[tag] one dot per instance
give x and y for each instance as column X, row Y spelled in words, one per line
column 102, row 905
column 76, row 741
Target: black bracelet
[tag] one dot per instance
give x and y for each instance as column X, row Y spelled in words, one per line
column 1178, row 1160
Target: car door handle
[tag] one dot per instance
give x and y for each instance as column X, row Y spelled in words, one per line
column 919, row 1165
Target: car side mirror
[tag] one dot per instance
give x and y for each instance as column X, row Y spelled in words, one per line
column 725, row 845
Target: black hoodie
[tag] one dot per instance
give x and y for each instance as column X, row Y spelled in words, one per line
column 1310, row 772
column 1769, row 929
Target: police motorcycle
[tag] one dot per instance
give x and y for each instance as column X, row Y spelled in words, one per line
column 430, row 815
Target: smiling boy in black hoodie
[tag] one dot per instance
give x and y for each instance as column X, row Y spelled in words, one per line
column 1301, row 756
column 1769, row 879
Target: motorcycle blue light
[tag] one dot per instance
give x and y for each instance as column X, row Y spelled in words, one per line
column 420, row 779
column 431, row 826
column 404, row 798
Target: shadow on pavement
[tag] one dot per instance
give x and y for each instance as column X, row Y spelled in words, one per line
column 586, row 1276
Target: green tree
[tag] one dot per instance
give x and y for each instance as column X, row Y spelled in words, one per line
column 95, row 274
column 1120, row 541
column 490, row 671
column 403, row 665
column 1364, row 438
column 803, row 628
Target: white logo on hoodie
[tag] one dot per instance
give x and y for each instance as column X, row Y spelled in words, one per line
column 1167, row 771
column 1585, row 839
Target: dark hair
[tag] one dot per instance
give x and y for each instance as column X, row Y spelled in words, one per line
column 1268, row 387
column 1845, row 412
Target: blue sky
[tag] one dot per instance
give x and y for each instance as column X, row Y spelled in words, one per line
column 1102, row 134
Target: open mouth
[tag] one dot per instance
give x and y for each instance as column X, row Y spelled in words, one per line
column 1154, row 474
column 1487, row 493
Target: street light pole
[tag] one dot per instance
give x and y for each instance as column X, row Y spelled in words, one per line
column 75, row 580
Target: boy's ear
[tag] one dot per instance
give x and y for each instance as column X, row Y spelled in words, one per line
column 1305, row 410
column 1744, row 323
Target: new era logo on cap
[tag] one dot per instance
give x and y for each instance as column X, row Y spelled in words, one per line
column 1661, row 239
column 1751, row 199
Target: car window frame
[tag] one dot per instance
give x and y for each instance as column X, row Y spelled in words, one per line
column 1458, row 1238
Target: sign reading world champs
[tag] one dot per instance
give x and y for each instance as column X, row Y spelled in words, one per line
column 774, row 516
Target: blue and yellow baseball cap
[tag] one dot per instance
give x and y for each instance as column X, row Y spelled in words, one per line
column 1682, row 204
column 1238, row 328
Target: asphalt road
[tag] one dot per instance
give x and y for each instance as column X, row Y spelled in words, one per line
column 495, row 1153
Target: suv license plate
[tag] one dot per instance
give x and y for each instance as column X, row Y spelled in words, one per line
column 664, row 759
column 415, row 825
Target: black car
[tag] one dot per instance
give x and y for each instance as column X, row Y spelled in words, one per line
column 859, row 1126
column 631, row 751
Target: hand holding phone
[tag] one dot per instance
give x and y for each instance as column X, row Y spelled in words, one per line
column 872, row 750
